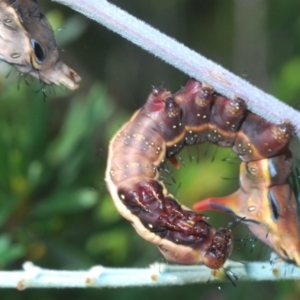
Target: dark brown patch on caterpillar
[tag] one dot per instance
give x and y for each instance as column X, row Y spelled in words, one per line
column 27, row 42
column 158, row 131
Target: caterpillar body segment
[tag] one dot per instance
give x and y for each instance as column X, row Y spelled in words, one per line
column 225, row 119
column 155, row 132
column 266, row 172
column 258, row 139
column 27, row 42
column 195, row 101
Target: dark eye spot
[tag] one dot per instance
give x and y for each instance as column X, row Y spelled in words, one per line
column 38, row 51
column 274, row 206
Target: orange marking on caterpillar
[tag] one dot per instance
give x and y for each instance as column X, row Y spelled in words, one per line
column 266, row 203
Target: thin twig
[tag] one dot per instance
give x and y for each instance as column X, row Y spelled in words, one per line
column 156, row 275
column 185, row 59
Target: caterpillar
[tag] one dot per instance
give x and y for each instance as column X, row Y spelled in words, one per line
column 193, row 115
column 136, row 153
column 27, row 43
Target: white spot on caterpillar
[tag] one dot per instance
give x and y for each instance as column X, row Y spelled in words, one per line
column 150, row 225
column 174, row 126
column 252, row 208
column 122, row 196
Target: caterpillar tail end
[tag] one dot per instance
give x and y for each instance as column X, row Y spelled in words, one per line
column 228, row 204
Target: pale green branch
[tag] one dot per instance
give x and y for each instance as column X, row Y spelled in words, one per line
column 156, row 275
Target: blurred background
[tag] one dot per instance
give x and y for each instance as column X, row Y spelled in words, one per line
column 54, row 207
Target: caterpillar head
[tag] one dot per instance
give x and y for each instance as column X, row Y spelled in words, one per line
column 27, row 42
column 268, row 209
